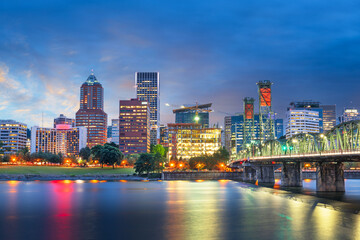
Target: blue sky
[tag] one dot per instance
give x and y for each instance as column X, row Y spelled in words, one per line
column 205, row 51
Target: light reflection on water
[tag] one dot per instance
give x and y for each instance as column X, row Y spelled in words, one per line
column 162, row 210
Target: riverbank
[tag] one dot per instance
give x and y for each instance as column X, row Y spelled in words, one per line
column 49, row 177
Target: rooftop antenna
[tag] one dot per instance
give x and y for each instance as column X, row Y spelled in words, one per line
column 92, row 71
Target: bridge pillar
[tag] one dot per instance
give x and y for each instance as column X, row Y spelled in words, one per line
column 291, row 174
column 330, row 177
column 249, row 174
column 265, row 174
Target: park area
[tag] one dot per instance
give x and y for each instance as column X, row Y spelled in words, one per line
column 59, row 170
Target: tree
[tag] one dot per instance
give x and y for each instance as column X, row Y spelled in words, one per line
column 222, row 154
column 110, row 155
column 132, row 158
column 112, row 144
column 145, row 163
column 159, row 149
column 159, row 162
column 24, row 155
column 96, row 152
column 85, row 154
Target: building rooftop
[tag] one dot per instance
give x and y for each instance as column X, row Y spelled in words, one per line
column 91, row 80
column 192, row 108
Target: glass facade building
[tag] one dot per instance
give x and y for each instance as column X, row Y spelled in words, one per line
column 148, row 90
column 329, row 116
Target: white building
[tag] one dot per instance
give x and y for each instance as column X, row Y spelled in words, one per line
column 12, row 135
column 350, row 114
column 302, row 121
column 115, row 131
column 62, row 139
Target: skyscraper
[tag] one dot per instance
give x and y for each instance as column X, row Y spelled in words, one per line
column 91, row 113
column 148, row 89
column 329, row 116
column 134, row 126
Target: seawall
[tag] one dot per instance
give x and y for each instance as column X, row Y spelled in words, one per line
column 201, row 175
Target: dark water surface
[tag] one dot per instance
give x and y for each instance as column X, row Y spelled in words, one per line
column 162, row 210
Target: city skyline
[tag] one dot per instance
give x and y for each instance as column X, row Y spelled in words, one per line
column 43, row 62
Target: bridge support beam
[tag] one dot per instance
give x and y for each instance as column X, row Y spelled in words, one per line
column 330, row 177
column 291, row 174
column 265, row 174
column 249, row 174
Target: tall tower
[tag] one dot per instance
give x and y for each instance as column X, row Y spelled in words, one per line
column 148, row 90
column 248, row 129
column 267, row 130
column 91, row 113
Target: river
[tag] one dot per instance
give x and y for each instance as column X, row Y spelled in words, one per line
column 73, row 210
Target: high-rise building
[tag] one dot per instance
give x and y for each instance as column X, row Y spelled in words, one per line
column 302, row 121
column 164, row 135
column 193, row 114
column 279, row 128
column 237, row 133
column 62, row 139
column 134, row 126
column 309, row 105
column 187, row 140
column 62, row 119
column 267, row 116
column 115, row 131
column 12, row 135
column 350, row 114
column 329, row 116
column 91, row 113
column 227, row 133
column 148, row 90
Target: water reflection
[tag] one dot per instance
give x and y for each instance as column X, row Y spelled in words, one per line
column 162, row 210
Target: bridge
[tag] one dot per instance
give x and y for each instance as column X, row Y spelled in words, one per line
column 328, row 150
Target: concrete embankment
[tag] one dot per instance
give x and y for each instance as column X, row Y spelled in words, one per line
column 211, row 175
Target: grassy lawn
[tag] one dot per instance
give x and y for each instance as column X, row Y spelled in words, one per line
column 52, row 170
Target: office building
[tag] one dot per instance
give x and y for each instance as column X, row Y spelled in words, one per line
column 62, row 139
column 91, row 113
column 148, row 90
column 349, row 114
column 62, row 119
column 115, row 131
column 227, row 133
column 134, row 126
column 329, row 117
column 302, row 121
column 13, row 136
column 279, row 128
column 309, row 105
column 164, row 136
column 187, row 140
column 193, row 114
